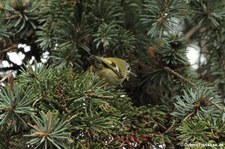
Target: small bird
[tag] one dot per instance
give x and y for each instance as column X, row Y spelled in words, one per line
column 114, row 70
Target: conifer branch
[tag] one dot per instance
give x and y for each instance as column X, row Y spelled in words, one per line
column 180, row 76
column 218, row 106
column 170, row 128
column 98, row 96
column 192, row 31
column 189, row 115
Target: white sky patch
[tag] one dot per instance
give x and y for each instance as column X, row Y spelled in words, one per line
column 21, row 55
column 177, row 24
column 22, row 45
column 193, row 55
column 5, row 63
column 32, row 60
column 15, row 58
column 27, row 49
column 45, row 57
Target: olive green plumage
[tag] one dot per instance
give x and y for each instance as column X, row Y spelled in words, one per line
column 114, row 70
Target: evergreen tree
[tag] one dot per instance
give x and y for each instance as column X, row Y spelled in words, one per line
column 61, row 104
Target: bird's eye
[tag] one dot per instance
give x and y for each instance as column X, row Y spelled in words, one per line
column 98, row 64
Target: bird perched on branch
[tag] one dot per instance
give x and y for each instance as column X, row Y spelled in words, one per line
column 114, row 70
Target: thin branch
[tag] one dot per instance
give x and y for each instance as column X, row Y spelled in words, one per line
column 180, row 76
column 38, row 99
column 218, row 106
column 10, row 48
column 188, row 35
column 170, row 128
column 3, row 79
column 194, row 85
column 98, row 96
column 189, row 115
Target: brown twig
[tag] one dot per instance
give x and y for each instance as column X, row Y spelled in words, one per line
column 98, row 96
column 188, row 35
column 170, row 128
column 180, row 76
column 10, row 48
column 189, row 115
column 194, row 85
column 218, row 106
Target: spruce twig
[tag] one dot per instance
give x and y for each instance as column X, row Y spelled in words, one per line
column 98, row 96
column 180, row 76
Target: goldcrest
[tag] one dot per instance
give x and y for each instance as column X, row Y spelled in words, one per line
column 114, row 70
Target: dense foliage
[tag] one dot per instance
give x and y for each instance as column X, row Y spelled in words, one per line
column 60, row 104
